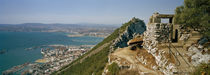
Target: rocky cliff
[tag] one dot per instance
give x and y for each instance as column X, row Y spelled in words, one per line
column 128, row 31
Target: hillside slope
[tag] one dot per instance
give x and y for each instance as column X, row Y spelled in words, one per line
column 94, row 61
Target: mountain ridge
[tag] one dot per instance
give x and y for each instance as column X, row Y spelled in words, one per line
column 112, row 41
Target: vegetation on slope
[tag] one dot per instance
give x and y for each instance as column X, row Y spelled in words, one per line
column 194, row 14
column 95, row 63
column 202, row 69
column 113, row 69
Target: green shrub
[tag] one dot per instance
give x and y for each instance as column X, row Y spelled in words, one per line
column 194, row 14
column 202, row 69
column 114, row 69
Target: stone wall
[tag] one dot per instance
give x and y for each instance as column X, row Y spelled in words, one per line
column 157, row 33
column 160, row 31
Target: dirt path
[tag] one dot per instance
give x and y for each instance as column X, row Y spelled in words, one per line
column 129, row 55
column 182, row 63
column 185, row 66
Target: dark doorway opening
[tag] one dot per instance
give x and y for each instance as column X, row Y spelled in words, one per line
column 176, row 36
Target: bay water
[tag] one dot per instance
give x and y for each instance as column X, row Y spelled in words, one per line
column 16, row 43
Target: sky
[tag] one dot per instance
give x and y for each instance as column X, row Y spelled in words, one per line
column 82, row 11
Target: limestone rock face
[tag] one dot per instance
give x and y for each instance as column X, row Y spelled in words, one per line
column 135, row 27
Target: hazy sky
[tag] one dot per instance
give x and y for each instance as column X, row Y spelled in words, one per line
column 82, row 11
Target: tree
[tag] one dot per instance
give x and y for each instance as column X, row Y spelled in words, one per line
column 194, row 14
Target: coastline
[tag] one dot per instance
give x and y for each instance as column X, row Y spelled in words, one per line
column 41, row 61
column 30, row 44
column 52, row 60
column 91, row 35
column 75, row 35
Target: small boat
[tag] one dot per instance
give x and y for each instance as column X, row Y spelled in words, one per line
column 3, row 51
column 28, row 49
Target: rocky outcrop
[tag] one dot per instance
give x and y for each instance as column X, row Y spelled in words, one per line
column 198, row 53
column 128, row 31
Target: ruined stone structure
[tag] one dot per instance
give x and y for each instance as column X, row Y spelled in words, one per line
column 175, row 52
column 162, row 50
column 169, row 30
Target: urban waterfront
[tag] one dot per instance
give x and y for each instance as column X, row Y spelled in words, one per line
column 23, row 47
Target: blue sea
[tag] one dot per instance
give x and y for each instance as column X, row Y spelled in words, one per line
column 15, row 44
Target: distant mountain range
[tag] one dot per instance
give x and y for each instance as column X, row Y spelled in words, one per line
column 56, row 27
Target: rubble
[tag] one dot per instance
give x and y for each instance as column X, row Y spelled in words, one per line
column 196, row 55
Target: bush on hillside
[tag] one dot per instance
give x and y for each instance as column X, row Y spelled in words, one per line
column 202, row 69
column 113, row 69
column 194, row 14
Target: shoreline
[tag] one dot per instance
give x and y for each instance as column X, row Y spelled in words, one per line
column 41, row 61
column 32, row 45
column 52, row 59
column 75, row 35
column 81, row 35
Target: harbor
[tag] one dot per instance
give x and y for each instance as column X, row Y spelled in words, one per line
column 51, row 61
